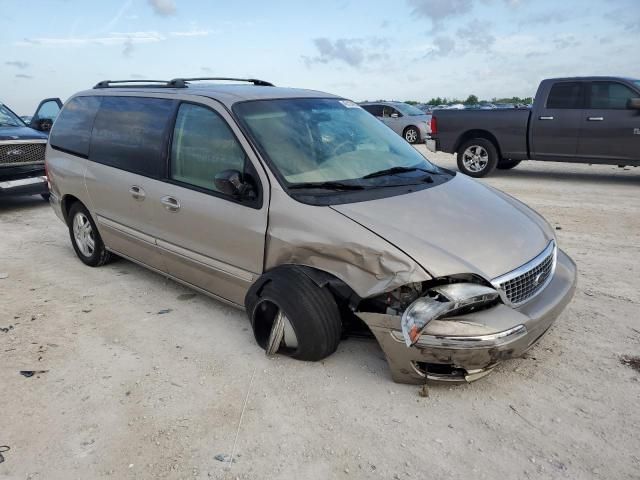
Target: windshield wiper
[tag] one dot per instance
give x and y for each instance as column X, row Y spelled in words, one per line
column 394, row 170
column 327, row 186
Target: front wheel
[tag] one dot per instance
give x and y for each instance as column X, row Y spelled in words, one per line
column 508, row 164
column 85, row 238
column 292, row 315
column 477, row 157
column 412, row 135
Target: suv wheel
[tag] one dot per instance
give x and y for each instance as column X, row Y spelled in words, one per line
column 85, row 238
column 290, row 314
column 412, row 135
column 477, row 157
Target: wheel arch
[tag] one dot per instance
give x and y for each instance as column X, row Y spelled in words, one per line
column 342, row 293
column 478, row 133
column 66, row 203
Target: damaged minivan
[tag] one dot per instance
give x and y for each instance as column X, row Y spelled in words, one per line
column 303, row 209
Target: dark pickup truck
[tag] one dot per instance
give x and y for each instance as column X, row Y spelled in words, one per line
column 581, row 119
column 22, row 146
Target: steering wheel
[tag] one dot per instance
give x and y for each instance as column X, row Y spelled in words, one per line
column 335, row 151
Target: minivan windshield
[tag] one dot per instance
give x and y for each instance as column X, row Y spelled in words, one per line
column 316, row 140
column 409, row 110
column 8, row 118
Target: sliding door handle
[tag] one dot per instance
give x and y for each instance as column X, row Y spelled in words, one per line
column 170, row 203
column 595, row 119
column 545, row 118
column 137, row 192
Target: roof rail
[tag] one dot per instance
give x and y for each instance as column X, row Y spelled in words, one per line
column 182, row 82
column 135, row 83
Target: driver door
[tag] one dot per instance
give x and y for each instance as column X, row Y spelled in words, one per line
column 46, row 113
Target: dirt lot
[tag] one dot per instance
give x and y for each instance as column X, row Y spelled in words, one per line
column 145, row 379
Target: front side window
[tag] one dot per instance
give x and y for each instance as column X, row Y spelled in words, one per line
column 566, row 95
column 129, row 134
column 328, row 140
column 203, row 146
column 375, row 110
column 610, row 95
column 72, row 131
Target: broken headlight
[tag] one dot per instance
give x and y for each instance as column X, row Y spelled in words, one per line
column 443, row 301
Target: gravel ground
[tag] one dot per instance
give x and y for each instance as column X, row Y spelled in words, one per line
column 145, row 379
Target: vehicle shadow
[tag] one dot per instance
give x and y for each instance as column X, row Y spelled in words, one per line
column 23, row 202
column 599, row 177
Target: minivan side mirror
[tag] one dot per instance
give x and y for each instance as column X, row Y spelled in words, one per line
column 230, row 182
column 633, row 103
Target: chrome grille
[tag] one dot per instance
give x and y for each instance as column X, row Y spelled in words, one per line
column 525, row 282
column 21, row 153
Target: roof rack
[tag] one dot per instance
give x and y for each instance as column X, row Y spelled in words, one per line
column 133, row 83
column 182, row 82
column 175, row 83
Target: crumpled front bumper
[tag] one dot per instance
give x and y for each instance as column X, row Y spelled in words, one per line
column 467, row 347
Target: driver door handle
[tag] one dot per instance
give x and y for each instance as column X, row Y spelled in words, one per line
column 170, row 203
column 137, row 192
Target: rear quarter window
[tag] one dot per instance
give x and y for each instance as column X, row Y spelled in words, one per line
column 129, row 133
column 72, row 129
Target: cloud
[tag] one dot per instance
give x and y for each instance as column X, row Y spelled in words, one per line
column 476, row 36
column 17, row 64
column 352, row 51
column 137, row 76
column 442, row 46
column 163, row 8
column 22, row 75
column 116, row 18
column 439, row 10
column 191, row 33
column 128, row 48
column 206, row 69
column 546, row 18
column 565, row 41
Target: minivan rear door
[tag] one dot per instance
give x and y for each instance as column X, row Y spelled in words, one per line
column 608, row 132
column 209, row 239
column 126, row 162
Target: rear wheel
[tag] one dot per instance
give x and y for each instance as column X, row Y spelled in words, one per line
column 290, row 314
column 477, row 157
column 508, row 164
column 85, row 238
column 412, row 135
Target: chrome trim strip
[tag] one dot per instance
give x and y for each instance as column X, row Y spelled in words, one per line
column 22, row 182
column 22, row 164
column 22, row 142
column 130, row 232
column 461, row 342
column 208, row 262
column 521, row 270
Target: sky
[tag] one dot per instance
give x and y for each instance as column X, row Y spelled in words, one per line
column 373, row 49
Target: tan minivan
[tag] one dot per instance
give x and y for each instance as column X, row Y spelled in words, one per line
column 303, row 209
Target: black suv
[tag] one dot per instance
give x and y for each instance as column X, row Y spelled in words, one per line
column 22, row 148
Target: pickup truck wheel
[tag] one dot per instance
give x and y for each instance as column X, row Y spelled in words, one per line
column 85, row 238
column 292, row 315
column 477, row 157
column 412, row 135
column 508, row 164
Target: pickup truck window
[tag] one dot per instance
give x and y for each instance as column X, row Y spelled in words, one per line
column 8, row 118
column 610, row 95
column 566, row 95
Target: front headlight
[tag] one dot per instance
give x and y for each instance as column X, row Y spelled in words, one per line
column 442, row 301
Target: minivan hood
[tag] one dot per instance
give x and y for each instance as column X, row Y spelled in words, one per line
column 460, row 226
column 20, row 133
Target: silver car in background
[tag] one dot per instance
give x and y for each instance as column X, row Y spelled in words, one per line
column 406, row 120
column 301, row 208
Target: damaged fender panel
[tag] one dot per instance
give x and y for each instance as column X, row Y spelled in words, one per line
column 324, row 239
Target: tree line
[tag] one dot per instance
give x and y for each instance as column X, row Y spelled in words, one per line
column 472, row 100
